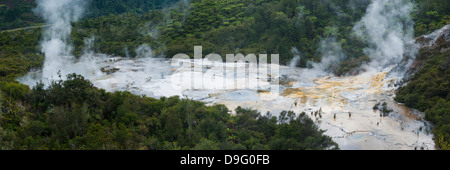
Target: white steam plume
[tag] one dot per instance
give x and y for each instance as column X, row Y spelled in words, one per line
column 144, row 51
column 294, row 62
column 331, row 51
column 389, row 30
column 332, row 54
column 56, row 42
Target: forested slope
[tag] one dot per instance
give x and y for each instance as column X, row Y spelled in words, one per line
column 74, row 115
column 429, row 89
column 34, row 118
column 19, row 13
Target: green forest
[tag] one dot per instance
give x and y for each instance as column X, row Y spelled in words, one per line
column 72, row 114
column 429, row 91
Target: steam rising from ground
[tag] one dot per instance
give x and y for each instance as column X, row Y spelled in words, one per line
column 389, row 30
column 144, row 51
column 386, row 27
column 56, row 42
column 331, row 52
column 57, row 47
column 294, row 62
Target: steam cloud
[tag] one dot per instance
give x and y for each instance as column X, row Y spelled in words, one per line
column 331, row 51
column 55, row 44
column 294, row 62
column 144, row 51
column 388, row 29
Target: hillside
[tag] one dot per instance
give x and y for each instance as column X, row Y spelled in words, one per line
column 19, row 13
column 74, row 115
column 428, row 90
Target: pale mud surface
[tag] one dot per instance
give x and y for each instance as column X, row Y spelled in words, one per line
column 343, row 106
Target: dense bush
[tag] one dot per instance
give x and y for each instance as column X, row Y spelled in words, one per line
column 32, row 119
column 72, row 114
column 431, row 15
column 229, row 27
column 19, row 53
column 19, row 13
column 429, row 91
